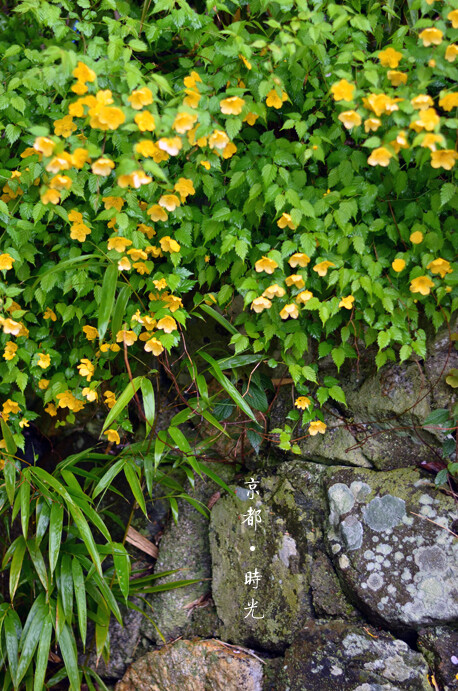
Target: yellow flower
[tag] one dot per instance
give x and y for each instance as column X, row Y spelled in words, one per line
column 105, row 118
column 390, row 57
column 137, row 254
column 453, row 16
column 50, row 197
column 246, row 62
column 260, row 304
column 140, row 97
column 154, row 346
column 429, row 141
column 218, row 140
column 298, row 259
column 44, row 146
column 113, row 203
column 192, row 98
column 451, row 52
column 147, row 230
column 400, row 142
column 79, row 231
column 90, row 332
column 302, row 402
column 79, row 88
column 428, row 120
column 167, row 324
column 322, row 267
column 184, row 122
column 286, row 220
column 232, row 105
column 250, row 118
column 110, row 398
column 449, row 101
column 43, row 384
column 372, row 124
column 444, row 159
column 124, row 264
column 49, row 314
column 160, row 283
column 90, row 394
column 112, row 434
column 169, row 202
column 51, row 409
column 422, row 285
column 86, row 368
column 68, row 400
column 431, row 36
column 141, row 267
column 75, row 216
column 273, row 100
column 440, row 266
column 83, row 73
column 304, row 297
column 80, row 157
column 417, row 237
column 396, row 78
column 398, row 265
column 11, row 327
column 103, row 166
column 206, row 164
column 184, row 187
column 118, row 244
column 58, row 163
column 347, row 302
column 44, row 360
column 289, row 311
column 316, row 426
column 229, row 150
column 135, row 179
column 343, row 90
column 422, row 102
column 265, row 264
column 171, row 145
column 129, row 337
column 192, row 79
column 60, row 182
column 295, row 280
column 273, row 291
column 172, row 301
column 64, row 127
column 6, row 261
column 157, row 213
column 10, row 407
column 350, row 119
column 10, row 350
column 381, row 103
column 169, row 245
column 380, row 157
column 431, row 63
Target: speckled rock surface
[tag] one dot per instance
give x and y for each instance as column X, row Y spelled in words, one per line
column 185, row 546
column 401, row 569
column 194, row 666
column 442, row 357
column 345, row 657
column 282, row 544
column 439, row 646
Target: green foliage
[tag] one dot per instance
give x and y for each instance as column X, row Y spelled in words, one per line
column 257, row 155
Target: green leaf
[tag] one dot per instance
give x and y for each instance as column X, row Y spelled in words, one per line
column 119, row 309
column 108, row 477
column 16, row 564
column 219, row 318
column 123, row 400
column 337, row 394
column 309, row 373
column 228, row 386
column 24, row 493
column 447, row 193
column 38, row 562
column 438, row 417
column 44, row 646
column 31, row 636
column 65, row 585
column 338, row 355
column 134, row 484
column 149, row 405
column 86, row 535
column 383, row 339
column 12, row 626
column 122, row 565
column 55, row 533
column 107, row 299
column 67, row 647
column 80, row 597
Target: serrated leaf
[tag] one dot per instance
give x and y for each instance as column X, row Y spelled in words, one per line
column 447, row 193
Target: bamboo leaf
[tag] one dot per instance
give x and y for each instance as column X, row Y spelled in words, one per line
column 134, row 484
column 80, row 597
column 149, row 405
column 55, row 533
column 68, row 650
column 16, row 565
column 122, row 401
column 44, row 646
column 228, row 386
column 107, row 299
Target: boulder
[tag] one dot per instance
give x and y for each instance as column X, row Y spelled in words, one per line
column 194, row 666
column 390, row 540
column 337, row 655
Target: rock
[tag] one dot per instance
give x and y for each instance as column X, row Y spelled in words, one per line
column 440, row 647
column 398, row 568
column 287, row 543
column 185, row 546
column 347, row 657
column 194, row 666
column 442, row 357
column 327, row 598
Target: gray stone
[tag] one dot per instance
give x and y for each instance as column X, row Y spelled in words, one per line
column 348, row 657
column 399, row 569
column 439, row 645
column 194, row 666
